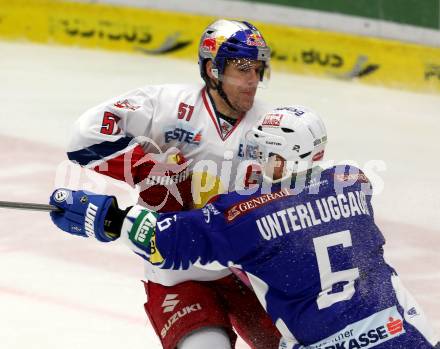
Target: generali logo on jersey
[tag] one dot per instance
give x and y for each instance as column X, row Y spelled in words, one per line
column 244, row 207
column 272, row 120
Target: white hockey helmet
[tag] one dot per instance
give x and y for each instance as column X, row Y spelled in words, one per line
column 295, row 133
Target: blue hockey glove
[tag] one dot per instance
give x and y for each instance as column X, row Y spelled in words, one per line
column 83, row 214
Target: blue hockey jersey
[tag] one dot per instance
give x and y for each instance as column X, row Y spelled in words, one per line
column 314, row 256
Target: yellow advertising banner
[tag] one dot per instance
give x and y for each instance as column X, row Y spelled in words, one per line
column 295, row 50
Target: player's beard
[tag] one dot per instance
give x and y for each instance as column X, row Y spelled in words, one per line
column 232, row 99
column 239, row 93
column 243, row 100
column 246, row 99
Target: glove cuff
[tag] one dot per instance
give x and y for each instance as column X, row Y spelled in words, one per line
column 95, row 215
column 137, row 230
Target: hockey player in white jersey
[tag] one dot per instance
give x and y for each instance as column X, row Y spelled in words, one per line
column 156, row 137
column 307, row 238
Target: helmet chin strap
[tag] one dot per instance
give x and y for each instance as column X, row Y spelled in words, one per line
column 210, row 83
column 218, row 87
column 223, row 95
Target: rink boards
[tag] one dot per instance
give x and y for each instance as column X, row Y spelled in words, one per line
column 298, row 50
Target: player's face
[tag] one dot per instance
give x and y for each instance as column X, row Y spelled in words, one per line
column 275, row 167
column 240, row 81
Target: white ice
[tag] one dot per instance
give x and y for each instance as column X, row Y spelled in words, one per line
column 59, row 291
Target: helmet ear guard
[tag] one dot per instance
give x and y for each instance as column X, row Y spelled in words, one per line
column 214, row 72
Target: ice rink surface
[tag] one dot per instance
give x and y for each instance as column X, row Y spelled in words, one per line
column 59, row 291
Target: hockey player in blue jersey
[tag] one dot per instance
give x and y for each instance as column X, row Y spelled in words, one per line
column 305, row 237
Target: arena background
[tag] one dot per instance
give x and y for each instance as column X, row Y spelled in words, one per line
column 371, row 68
column 375, row 42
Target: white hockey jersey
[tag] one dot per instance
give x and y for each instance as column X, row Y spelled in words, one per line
column 119, row 132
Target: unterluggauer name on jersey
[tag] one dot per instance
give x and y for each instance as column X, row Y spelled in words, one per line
column 312, row 213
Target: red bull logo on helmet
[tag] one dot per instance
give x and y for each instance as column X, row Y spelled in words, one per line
column 209, row 45
column 255, row 39
column 213, row 44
